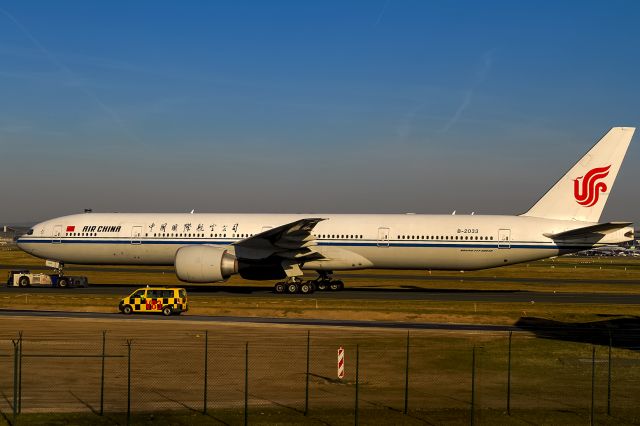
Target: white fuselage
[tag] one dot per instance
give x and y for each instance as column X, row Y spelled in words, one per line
column 347, row 241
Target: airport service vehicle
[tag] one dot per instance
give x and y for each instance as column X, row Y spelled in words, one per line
column 24, row 278
column 169, row 301
column 208, row 248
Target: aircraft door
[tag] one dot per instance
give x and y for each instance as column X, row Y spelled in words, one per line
column 57, row 234
column 383, row 237
column 136, row 235
column 504, row 238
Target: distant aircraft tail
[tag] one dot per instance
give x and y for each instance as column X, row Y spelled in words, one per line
column 582, row 193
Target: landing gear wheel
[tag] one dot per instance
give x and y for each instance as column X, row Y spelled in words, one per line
column 322, row 286
column 306, row 288
column 127, row 310
column 292, row 288
column 167, row 311
column 336, row 285
column 23, row 282
column 279, row 288
column 63, row 283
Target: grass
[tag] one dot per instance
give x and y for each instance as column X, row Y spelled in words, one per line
column 551, row 378
column 285, row 417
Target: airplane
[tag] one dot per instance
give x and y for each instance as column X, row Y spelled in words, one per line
column 209, row 248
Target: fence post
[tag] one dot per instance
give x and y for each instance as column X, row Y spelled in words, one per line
column 128, row 382
column 246, row 383
column 206, row 371
column 473, row 384
column 306, row 390
column 20, row 372
column 609, row 376
column 406, row 379
column 104, row 341
column 593, row 382
column 357, row 381
column 509, row 377
column 15, row 380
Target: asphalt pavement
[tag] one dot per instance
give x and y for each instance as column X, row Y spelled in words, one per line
column 363, row 293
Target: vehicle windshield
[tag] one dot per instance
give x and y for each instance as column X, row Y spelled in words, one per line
column 183, row 293
column 139, row 293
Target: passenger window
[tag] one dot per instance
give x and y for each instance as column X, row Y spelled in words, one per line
column 154, row 294
column 167, row 293
column 139, row 293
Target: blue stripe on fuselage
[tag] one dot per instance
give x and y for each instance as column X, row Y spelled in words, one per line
column 369, row 243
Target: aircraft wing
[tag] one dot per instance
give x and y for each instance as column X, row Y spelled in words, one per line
column 588, row 231
column 291, row 241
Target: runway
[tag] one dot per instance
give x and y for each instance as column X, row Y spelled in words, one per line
column 363, row 293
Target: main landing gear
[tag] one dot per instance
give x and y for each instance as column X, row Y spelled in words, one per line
column 296, row 285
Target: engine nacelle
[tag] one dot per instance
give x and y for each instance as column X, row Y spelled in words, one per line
column 204, row 264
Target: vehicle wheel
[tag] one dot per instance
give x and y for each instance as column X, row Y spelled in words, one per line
column 292, row 288
column 322, row 285
column 63, row 283
column 335, row 285
column 167, row 311
column 306, row 288
column 340, row 285
column 127, row 310
column 279, row 288
column 24, row 282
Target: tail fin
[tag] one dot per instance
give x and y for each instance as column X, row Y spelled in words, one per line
column 582, row 193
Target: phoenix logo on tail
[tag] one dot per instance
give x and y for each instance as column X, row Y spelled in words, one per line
column 587, row 188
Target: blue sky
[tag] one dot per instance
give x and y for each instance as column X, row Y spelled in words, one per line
column 377, row 106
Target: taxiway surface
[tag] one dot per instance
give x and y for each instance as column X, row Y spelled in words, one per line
column 364, row 293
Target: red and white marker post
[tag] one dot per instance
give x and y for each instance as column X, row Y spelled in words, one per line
column 340, row 363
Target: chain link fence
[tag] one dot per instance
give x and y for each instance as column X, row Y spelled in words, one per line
column 291, row 377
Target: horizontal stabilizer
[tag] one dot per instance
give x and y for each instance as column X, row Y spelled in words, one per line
column 600, row 228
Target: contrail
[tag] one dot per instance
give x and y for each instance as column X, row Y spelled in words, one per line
column 384, row 9
column 463, row 106
column 481, row 75
column 56, row 62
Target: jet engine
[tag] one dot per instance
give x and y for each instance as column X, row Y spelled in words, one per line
column 204, row 264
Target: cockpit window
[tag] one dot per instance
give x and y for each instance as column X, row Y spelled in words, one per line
column 30, row 232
